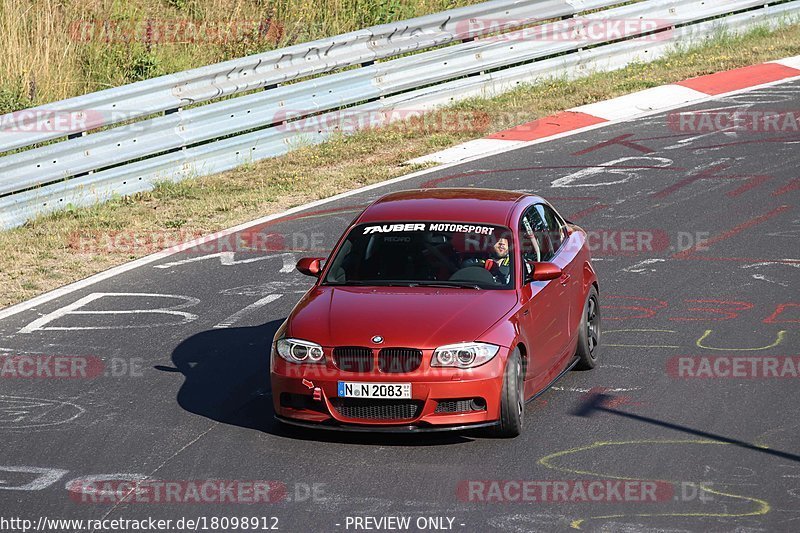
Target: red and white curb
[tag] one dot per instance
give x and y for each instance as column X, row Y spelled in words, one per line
column 625, row 107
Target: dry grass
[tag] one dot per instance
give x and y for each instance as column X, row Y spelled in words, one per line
column 38, row 257
column 47, row 57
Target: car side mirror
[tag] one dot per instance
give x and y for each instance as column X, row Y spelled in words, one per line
column 310, row 266
column 538, row 271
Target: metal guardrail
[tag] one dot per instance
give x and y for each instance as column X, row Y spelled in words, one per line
column 178, row 90
column 417, row 82
column 266, row 108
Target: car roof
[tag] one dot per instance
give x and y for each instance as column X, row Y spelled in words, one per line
column 486, row 206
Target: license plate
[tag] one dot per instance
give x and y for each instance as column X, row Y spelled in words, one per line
column 383, row 391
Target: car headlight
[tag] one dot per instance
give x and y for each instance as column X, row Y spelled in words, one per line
column 299, row 351
column 464, row 355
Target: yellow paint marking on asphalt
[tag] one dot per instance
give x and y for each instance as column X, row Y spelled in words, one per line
column 781, row 336
column 762, row 508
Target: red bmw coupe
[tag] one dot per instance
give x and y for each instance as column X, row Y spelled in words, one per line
column 438, row 309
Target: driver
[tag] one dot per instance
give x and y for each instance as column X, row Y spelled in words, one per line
column 499, row 264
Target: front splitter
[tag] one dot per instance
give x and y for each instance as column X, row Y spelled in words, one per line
column 384, row 429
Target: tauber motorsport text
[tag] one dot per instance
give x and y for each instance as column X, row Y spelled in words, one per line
column 457, row 228
column 399, row 523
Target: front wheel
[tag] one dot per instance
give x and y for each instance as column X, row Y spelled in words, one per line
column 589, row 333
column 512, row 398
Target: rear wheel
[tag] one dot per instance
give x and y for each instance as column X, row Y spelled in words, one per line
column 589, row 333
column 512, row 398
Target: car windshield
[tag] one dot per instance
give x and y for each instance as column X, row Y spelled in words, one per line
column 447, row 254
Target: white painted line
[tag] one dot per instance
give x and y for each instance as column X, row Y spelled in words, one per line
column 465, row 150
column 289, row 262
column 225, row 259
column 46, row 477
column 612, row 176
column 634, row 104
column 115, row 271
column 762, row 277
column 231, row 320
column 792, row 62
column 783, row 262
column 585, row 390
column 72, row 309
column 641, row 266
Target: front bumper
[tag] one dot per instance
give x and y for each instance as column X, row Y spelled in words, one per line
column 354, row 428
column 307, row 395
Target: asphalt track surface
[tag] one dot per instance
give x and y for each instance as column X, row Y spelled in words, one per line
column 198, row 405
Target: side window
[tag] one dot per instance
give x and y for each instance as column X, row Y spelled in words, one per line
column 535, row 238
column 554, row 227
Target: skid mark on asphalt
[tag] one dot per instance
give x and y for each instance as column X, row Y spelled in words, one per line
column 762, row 507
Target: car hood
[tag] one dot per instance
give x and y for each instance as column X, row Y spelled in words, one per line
column 421, row 317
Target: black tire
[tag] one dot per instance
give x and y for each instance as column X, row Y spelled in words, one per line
column 589, row 333
column 512, row 398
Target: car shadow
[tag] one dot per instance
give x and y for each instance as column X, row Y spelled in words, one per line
column 226, row 379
